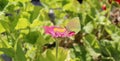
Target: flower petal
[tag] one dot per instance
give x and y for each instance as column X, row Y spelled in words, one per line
column 58, row 31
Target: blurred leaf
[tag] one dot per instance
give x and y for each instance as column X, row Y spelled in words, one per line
column 94, row 54
column 41, row 40
column 115, row 37
column 111, row 29
column 88, row 27
column 25, row 14
column 101, row 19
column 92, row 41
column 93, row 12
column 32, row 37
column 111, row 49
column 23, row 19
column 5, row 24
column 36, row 23
column 1, row 28
column 80, row 53
column 35, row 13
column 88, row 19
column 23, row 1
column 19, row 53
column 95, row 4
column 22, row 23
column 3, row 3
column 77, row 48
column 72, row 6
column 49, row 55
column 9, row 51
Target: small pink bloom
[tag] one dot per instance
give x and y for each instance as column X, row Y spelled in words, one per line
column 104, row 7
column 58, row 31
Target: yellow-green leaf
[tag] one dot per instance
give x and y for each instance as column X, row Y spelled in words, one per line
column 22, row 23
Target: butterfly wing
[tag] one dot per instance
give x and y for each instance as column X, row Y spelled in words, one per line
column 74, row 25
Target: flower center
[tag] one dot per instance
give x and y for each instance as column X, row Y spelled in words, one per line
column 59, row 29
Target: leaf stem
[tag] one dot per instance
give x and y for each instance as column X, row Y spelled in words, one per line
column 57, row 45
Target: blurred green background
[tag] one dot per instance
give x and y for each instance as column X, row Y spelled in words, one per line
column 22, row 35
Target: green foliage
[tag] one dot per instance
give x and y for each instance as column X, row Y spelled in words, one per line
column 22, row 35
column 19, row 53
column 8, row 51
column 49, row 55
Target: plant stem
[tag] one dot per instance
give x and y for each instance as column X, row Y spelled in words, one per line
column 57, row 45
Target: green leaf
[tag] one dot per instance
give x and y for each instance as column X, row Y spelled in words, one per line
column 41, row 40
column 72, row 4
column 22, row 23
column 19, row 53
column 3, row 3
column 110, row 49
column 90, row 50
column 34, row 14
column 9, row 51
column 1, row 28
column 115, row 37
column 88, row 19
column 5, row 24
column 110, row 29
column 80, row 53
column 102, row 20
column 93, row 12
column 23, row 1
column 92, row 40
column 50, row 55
column 32, row 37
column 88, row 28
column 35, row 23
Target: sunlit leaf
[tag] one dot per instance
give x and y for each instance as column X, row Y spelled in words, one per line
column 50, row 55
column 88, row 28
column 22, row 23
column 36, row 23
column 19, row 53
column 1, row 28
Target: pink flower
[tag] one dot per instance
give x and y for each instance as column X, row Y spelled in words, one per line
column 103, row 7
column 58, row 31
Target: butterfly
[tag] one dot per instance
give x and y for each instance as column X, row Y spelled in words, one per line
column 73, row 24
